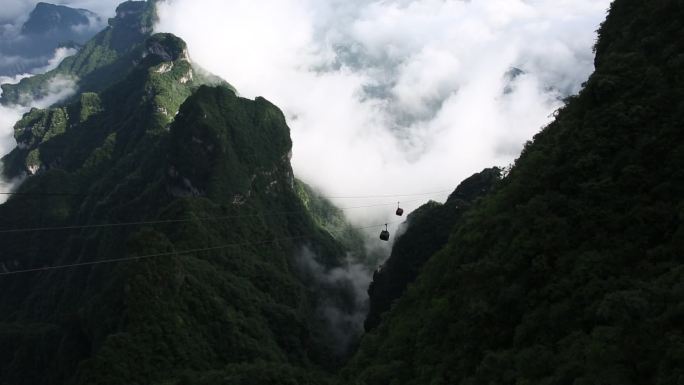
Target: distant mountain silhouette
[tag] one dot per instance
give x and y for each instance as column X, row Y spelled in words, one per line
column 48, row 27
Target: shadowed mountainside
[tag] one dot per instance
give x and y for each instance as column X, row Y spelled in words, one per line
column 208, row 174
column 570, row 272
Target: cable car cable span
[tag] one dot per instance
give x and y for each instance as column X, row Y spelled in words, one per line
column 58, row 194
column 165, row 254
column 172, row 221
column 387, row 195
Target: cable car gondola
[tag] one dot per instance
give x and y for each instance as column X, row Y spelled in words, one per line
column 384, row 234
column 400, row 211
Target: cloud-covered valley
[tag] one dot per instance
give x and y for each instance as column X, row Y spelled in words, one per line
column 397, row 96
column 388, row 97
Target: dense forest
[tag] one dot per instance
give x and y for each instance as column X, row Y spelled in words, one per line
column 158, row 160
column 571, row 271
column 565, row 269
column 428, row 230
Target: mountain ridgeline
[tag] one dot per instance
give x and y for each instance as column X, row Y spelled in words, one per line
column 565, row 270
column 102, row 61
column 211, row 288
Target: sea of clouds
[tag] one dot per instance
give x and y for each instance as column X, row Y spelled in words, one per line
column 397, row 96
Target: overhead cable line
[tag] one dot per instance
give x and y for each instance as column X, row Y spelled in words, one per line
column 181, row 220
column 170, row 253
column 50, row 194
column 38, row 194
column 388, row 195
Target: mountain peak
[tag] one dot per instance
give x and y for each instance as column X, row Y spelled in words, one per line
column 47, row 17
column 134, row 14
column 133, row 21
column 108, row 56
column 167, row 46
column 127, row 8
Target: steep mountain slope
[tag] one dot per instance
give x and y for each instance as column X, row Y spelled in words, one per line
column 331, row 218
column 571, row 271
column 428, row 230
column 208, row 175
column 63, row 136
column 103, row 60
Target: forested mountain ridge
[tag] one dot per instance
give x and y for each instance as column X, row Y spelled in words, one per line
column 64, row 136
column 209, row 173
column 571, row 271
column 102, row 61
column 428, row 230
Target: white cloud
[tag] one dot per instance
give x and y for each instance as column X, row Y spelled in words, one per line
column 15, row 9
column 61, row 53
column 59, row 88
column 104, row 8
column 396, row 96
column 342, row 298
column 9, row 115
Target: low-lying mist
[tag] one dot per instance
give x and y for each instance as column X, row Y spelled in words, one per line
column 59, row 88
column 396, row 96
column 342, row 298
column 393, row 97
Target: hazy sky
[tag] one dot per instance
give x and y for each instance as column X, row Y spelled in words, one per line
column 397, row 96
